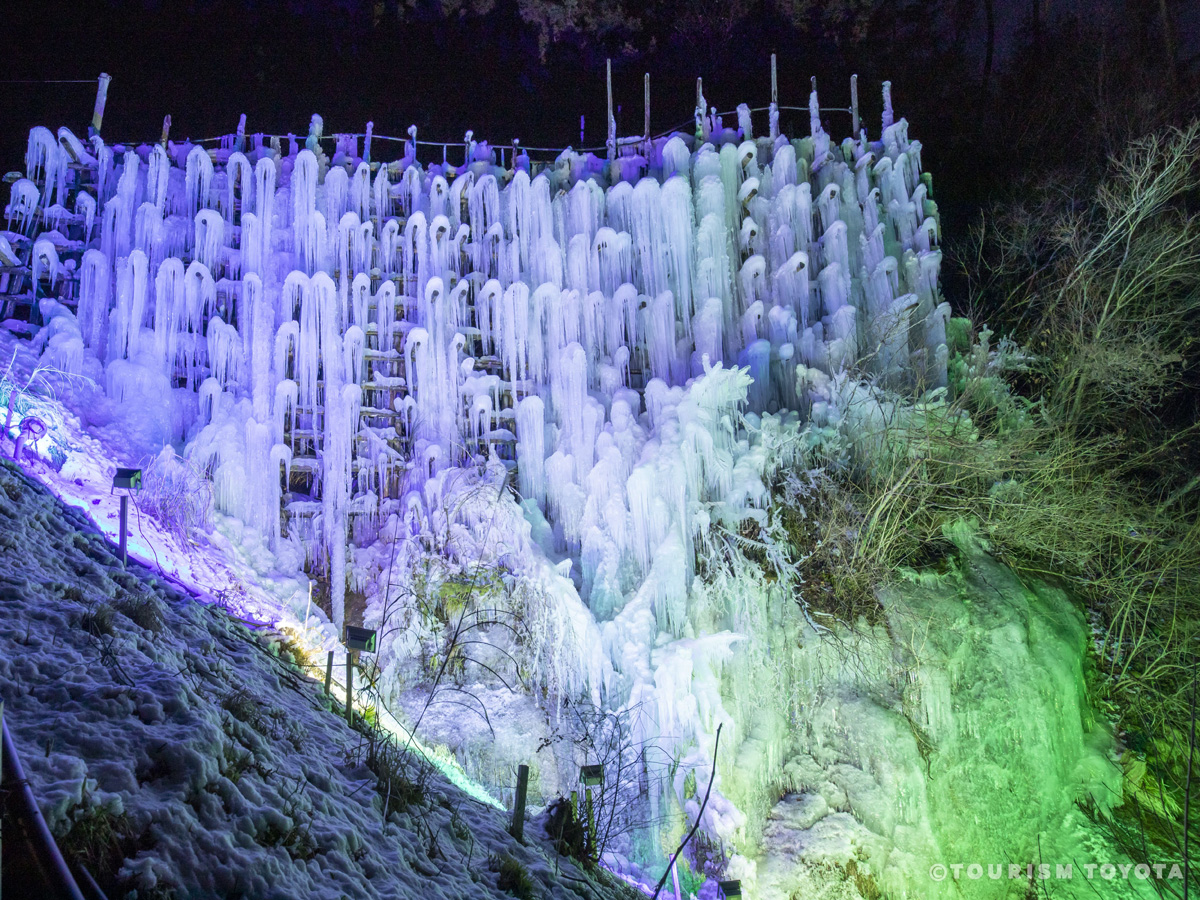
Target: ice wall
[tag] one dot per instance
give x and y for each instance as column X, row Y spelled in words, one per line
column 582, row 375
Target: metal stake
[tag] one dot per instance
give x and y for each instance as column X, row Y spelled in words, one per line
column 124, row 527
column 328, row 672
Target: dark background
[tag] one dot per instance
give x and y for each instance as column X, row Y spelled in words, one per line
column 992, row 88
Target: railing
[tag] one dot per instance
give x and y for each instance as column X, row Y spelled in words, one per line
column 41, row 870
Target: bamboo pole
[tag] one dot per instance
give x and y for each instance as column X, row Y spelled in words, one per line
column 101, row 99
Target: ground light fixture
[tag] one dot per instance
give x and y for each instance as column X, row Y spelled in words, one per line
column 32, row 430
column 360, row 639
column 126, row 480
column 729, row 889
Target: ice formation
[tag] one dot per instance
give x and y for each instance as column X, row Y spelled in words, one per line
column 359, row 355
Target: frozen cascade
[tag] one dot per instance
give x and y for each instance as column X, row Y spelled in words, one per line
column 376, row 355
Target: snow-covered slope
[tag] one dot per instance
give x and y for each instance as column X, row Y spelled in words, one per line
column 218, row 764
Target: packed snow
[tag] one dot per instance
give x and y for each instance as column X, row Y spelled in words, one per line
column 219, row 765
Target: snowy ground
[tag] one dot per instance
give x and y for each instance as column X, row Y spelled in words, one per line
column 220, row 765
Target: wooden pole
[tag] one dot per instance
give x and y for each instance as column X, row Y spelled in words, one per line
column 774, row 113
column 166, row 130
column 854, row 121
column 611, row 143
column 328, row 672
column 518, row 822
column 591, row 821
column 101, row 99
column 123, row 543
column 646, row 129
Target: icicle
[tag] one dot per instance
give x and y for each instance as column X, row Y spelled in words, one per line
column 531, row 453
column 239, row 186
column 94, row 281
column 210, row 238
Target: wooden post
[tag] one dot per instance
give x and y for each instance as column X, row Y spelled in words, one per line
column 854, row 121
column 611, row 142
column 328, row 672
column 367, row 143
column 349, row 688
column 101, row 99
column 123, row 543
column 591, row 822
column 166, row 130
column 518, row 822
column 774, row 113
column 646, row 128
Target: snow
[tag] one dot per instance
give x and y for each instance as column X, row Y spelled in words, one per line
column 216, row 798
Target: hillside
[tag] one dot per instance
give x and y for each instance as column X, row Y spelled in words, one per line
column 179, row 753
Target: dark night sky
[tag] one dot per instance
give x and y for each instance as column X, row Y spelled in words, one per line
column 279, row 61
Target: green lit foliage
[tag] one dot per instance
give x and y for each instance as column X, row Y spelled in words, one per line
column 1106, row 291
column 1069, row 453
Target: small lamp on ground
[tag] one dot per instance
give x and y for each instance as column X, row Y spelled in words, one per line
column 729, row 889
column 32, row 430
column 126, row 480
